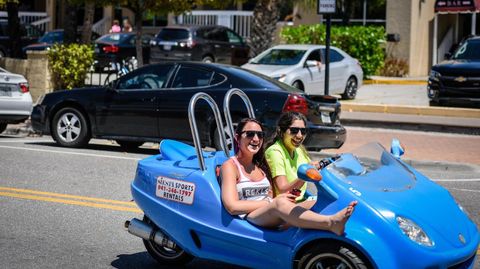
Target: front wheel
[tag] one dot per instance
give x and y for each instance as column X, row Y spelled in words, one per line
column 164, row 255
column 331, row 255
column 69, row 128
column 3, row 126
column 350, row 89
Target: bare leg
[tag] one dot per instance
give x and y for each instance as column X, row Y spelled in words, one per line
column 282, row 210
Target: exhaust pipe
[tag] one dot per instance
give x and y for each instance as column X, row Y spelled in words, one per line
column 148, row 232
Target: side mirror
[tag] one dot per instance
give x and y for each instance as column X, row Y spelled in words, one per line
column 396, row 148
column 308, row 172
column 311, row 63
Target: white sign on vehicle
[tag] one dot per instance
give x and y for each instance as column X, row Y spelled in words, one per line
column 175, row 190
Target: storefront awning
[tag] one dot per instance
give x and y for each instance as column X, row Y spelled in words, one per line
column 457, row 6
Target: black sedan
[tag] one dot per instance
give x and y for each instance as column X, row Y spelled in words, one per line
column 116, row 47
column 150, row 104
column 457, row 80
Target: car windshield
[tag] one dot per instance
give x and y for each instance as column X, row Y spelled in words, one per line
column 280, row 57
column 470, row 50
column 51, row 37
column 173, row 34
column 113, row 38
column 372, row 167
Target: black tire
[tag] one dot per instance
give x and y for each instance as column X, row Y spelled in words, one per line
column 331, row 255
column 216, row 138
column 70, row 128
column 129, row 144
column 436, row 103
column 3, row 127
column 164, row 255
column 208, row 59
column 350, row 89
column 298, row 84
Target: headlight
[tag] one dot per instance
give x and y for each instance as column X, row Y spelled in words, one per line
column 435, row 75
column 280, row 78
column 414, row 232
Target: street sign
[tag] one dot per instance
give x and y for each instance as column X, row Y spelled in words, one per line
column 326, row 7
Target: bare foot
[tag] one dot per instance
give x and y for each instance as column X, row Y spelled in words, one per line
column 339, row 219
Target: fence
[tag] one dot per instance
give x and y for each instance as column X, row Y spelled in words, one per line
column 39, row 19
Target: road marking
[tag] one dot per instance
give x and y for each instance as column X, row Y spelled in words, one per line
column 74, row 153
column 457, row 189
column 23, row 141
column 73, row 199
column 457, row 180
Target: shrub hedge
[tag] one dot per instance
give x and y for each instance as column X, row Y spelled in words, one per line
column 365, row 43
column 70, row 65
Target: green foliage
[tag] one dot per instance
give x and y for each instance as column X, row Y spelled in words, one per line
column 362, row 43
column 70, row 64
column 394, row 67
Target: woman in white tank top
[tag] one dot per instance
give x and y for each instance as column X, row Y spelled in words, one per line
column 247, row 189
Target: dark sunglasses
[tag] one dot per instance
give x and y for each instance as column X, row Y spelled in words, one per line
column 251, row 134
column 295, row 130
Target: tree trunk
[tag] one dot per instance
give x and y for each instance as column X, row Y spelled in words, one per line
column 88, row 22
column 138, row 43
column 70, row 23
column 264, row 25
column 13, row 30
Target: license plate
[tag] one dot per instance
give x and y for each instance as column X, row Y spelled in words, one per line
column 167, row 47
column 97, row 50
column 326, row 117
column 5, row 92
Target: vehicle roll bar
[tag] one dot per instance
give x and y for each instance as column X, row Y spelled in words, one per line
column 193, row 125
column 226, row 108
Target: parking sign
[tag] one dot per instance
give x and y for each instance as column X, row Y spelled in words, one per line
column 326, row 6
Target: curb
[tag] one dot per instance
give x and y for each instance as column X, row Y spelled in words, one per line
column 413, row 110
column 396, row 82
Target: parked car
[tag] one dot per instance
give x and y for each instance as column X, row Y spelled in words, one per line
column 300, row 66
column 15, row 99
column 457, row 80
column 46, row 41
column 116, row 47
column 150, row 104
column 28, row 34
column 207, row 43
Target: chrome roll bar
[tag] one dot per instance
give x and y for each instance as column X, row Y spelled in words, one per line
column 193, row 125
column 226, row 108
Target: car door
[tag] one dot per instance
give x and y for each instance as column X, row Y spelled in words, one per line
column 314, row 76
column 238, row 49
column 130, row 108
column 173, row 102
column 218, row 40
column 338, row 72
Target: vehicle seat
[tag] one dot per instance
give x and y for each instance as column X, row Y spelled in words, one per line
column 176, row 151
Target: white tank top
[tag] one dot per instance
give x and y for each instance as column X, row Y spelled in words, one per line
column 248, row 189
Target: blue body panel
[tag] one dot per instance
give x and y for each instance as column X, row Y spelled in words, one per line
column 205, row 229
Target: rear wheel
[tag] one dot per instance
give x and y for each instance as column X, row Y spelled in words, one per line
column 3, row 126
column 350, row 89
column 70, row 128
column 207, row 59
column 129, row 144
column 164, row 255
column 298, row 84
column 331, row 255
column 216, row 138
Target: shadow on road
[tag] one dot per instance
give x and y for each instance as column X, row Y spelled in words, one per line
column 101, row 147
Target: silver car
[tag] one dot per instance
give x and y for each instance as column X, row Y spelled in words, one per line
column 301, row 66
column 15, row 99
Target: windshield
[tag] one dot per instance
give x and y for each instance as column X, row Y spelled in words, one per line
column 51, row 37
column 280, row 57
column 173, row 34
column 372, row 167
column 114, row 38
column 470, row 50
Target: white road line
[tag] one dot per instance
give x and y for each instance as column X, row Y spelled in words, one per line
column 24, row 141
column 465, row 190
column 457, row 180
column 73, row 153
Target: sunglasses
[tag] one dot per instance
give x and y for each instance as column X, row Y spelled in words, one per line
column 295, row 130
column 251, row 134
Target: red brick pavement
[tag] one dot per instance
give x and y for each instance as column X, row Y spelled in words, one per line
column 419, row 145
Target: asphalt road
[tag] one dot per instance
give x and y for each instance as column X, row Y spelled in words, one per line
column 65, row 208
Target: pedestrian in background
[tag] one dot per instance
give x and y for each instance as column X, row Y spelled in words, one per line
column 127, row 27
column 115, row 27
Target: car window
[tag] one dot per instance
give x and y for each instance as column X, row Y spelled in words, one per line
column 469, row 50
column 114, row 38
column 188, row 77
column 173, row 34
column 335, row 56
column 150, row 77
column 216, row 34
column 52, row 37
column 314, row 56
column 233, row 37
column 280, row 57
column 217, row 79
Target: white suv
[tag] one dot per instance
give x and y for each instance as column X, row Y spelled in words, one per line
column 15, row 99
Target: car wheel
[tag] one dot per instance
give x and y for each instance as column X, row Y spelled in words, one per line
column 216, row 138
column 164, row 255
column 351, row 89
column 298, row 84
column 3, row 126
column 435, row 103
column 331, row 255
column 129, row 144
column 69, row 128
column 207, row 59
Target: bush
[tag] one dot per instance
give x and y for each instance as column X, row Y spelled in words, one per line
column 364, row 43
column 70, row 65
column 394, row 67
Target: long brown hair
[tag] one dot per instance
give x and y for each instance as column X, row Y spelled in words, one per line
column 259, row 157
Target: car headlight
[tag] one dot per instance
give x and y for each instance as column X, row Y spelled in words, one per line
column 280, row 78
column 414, row 232
column 435, row 75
